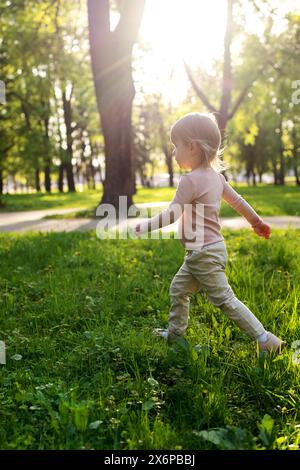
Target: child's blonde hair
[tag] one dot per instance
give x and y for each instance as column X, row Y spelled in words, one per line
column 203, row 129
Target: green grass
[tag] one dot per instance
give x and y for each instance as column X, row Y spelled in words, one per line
column 55, row 200
column 84, row 372
column 265, row 199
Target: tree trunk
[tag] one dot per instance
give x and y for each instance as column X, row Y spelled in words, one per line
column 101, row 175
column 47, row 179
column 165, row 146
column 295, row 159
column 170, row 171
column 227, row 84
column 169, row 163
column 2, row 204
column 61, row 150
column 248, row 176
column 296, row 174
column 15, row 185
column 1, row 181
column 47, row 153
column 116, row 126
column 70, row 177
column 61, row 177
column 69, row 151
column 142, row 176
column 111, row 64
column 78, row 172
column 37, row 180
column 87, row 174
column 295, row 167
column 93, row 169
column 222, row 120
column 281, row 174
column 92, row 174
column 275, row 175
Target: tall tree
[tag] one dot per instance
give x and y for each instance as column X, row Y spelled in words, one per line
column 225, row 111
column 111, row 56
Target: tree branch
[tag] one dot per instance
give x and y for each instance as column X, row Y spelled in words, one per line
column 199, row 92
column 244, row 92
column 130, row 20
column 227, row 74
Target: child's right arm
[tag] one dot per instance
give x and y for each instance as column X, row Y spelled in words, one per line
column 184, row 195
column 238, row 203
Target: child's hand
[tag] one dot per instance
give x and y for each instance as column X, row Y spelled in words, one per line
column 263, row 230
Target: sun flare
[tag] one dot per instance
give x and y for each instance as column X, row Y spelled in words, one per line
column 190, row 30
column 174, row 31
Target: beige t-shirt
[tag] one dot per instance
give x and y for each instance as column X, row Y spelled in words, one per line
column 197, row 203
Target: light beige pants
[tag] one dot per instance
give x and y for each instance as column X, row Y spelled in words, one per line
column 205, row 270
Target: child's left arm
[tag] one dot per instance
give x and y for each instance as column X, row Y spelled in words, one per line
column 237, row 202
column 184, row 195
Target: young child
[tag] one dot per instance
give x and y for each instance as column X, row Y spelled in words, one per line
column 197, row 141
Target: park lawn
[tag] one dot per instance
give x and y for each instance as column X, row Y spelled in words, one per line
column 54, row 200
column 84, row 372
column 267, row 200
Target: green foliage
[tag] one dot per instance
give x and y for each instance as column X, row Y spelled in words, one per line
column 267, row 431
column 44, row 52
column 43, row 48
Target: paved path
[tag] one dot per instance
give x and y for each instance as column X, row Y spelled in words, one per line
column 33, row 220
column 7, row 218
